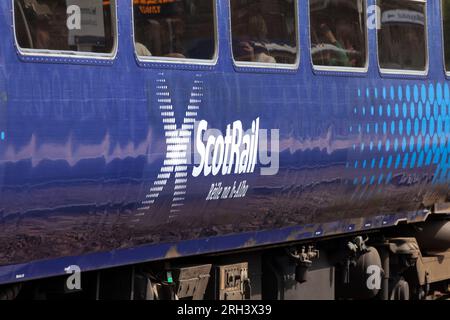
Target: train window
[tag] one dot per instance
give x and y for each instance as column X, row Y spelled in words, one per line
column 65, row 26
column 338, row 33
column 264, row 32
column 446, row 29
column 402, row 38
column 175, row 29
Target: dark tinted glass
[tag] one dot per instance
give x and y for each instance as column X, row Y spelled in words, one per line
column 446, row 25
column 175, row 28
column 65, row 25
column 264, row 31
column 338, row 33
column 402, row 37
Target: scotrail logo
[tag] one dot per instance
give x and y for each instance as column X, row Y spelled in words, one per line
column 212, row 153
column 234, row 153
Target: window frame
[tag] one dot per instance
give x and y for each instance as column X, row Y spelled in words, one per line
column 447, row 72
column 403, row 72
column 339, row 69
column 267, row 66
column 71, row 55
column 179, row 61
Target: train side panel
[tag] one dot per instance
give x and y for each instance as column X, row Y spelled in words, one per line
column 87, row 176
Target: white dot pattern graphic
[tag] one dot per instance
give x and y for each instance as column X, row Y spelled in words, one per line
column 177, row 141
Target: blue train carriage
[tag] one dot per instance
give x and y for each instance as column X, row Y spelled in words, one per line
column 187, row 149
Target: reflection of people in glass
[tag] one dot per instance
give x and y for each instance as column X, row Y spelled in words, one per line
column 42, row 35
column 141, row 50
column 148, row 38
column 161, row 34
column 415, row 57
column 402, row 46
column 346, row 35
column 175, row 29
column 255, row 49
column 176, row 37
column 58, row 27
column 44, row 25
column 339, row 57
column 38, row 17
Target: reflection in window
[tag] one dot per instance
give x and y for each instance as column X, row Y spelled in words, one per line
column 65, row 25
column 338, row 33
column 402, row 37
column 446, row 15
column 175, row 29
column 264, row 31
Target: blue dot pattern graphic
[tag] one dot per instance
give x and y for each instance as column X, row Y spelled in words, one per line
column 409, row 131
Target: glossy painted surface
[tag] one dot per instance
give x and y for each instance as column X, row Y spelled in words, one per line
column 84, row 143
